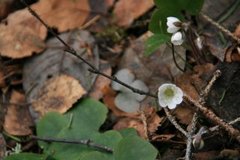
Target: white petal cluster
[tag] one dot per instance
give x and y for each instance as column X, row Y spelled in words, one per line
column 126, row 100
column 169, row 95
column 174, row 25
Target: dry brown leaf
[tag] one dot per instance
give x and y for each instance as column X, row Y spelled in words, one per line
column 184, row 114
column 21, row 35
column 151, row 120
column 192, row 84
column 126, row 11
column 58, row 94
column 18, row 120
column 131, row 123
column 237, row 31
column 63, row 14
column 185, row 83
column 101, row 82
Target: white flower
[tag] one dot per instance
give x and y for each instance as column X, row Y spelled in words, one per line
column 172, row 23
column 177, row 38
column 169, row 95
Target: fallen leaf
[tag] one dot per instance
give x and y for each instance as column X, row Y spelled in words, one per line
column 58, row 95
column 63, row 14
column 184, row 114
column 195, row 82
column 101, row 82
column 152, row 122
column 18, row 120
column 21, row 34
column 153, row 119
column 55, row 61
column 126, row 11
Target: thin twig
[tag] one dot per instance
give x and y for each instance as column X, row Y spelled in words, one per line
column 220, row 27
column 89, row 143
column 215, row 128
column 92, row 68
column 188, row 154
column 174, row 122
column 207, row 89
column 213, row 117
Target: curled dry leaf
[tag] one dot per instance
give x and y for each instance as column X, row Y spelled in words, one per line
column 58, row 94
column 18, row 120
column 126, row 11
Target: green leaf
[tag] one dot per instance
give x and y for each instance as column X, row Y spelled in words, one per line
column 128, row 132
column 166, row 8
column 109, row 139
column 96, row 156
column 27, row 156
column 81, row 122
column 193, row 6
column 134, row 148
column 49, row 126
column 154, row 42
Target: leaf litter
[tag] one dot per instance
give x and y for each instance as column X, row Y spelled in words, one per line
column 53, row 80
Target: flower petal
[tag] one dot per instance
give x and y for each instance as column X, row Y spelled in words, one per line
column 169, row 95
column 172, row 20
column 172, row 28
column 177, row 38
column 172, row 105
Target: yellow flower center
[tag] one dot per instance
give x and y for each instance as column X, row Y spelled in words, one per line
column 169, row 92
